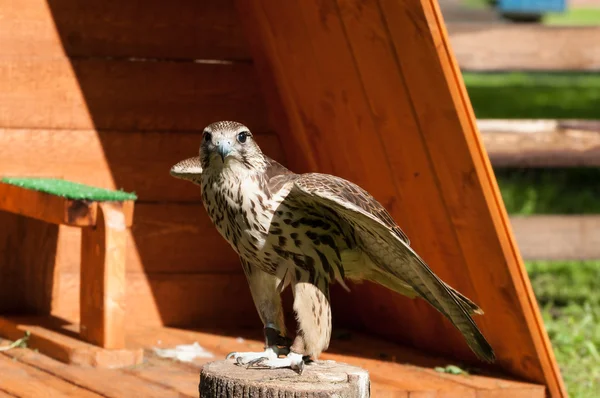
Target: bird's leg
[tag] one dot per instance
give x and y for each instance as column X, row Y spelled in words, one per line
column 265, row 293
column 311, row 304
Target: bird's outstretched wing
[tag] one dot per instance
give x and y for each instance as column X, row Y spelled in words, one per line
column 391, row 250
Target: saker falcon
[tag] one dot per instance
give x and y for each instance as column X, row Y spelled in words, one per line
column 308, row 231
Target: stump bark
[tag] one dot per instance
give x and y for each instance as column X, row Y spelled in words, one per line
column 225, row 379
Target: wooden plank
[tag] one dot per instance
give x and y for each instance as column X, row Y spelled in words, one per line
column 172, row 374
column 552, row 237
column 25, row 381
column 404, row 370
column 470, row 193
column 541, row 143
column 392, row 102
column 124, row 95
column 134, row 161
column 102, row 287
column 525, row 46
column 174, row 299
column 164, row 238
column 206, row 29
column 106, row 382
column 60, row 340
column 46, row 207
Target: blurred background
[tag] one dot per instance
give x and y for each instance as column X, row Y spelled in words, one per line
column 531, row 68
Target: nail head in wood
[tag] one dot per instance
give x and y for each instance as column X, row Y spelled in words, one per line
column 225, row 379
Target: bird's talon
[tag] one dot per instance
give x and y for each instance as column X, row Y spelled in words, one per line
column 257, row 361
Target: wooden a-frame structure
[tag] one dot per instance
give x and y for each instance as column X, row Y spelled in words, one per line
column 370, row 90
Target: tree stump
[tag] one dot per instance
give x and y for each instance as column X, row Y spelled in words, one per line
column 225, row 379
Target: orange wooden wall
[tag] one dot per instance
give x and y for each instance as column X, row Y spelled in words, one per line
column 107, row 92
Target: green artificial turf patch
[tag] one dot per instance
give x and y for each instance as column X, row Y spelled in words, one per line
column 69, row 189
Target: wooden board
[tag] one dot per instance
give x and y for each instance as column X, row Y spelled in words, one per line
column 66, row 347
column 164, row 238
column 383, row 105
column 105, row 382
column 127, row 95
column 174, row 299
column 134, row 161
column 206, row 29
column 525, row 46
column 405, row 375
column 405, row 371
column 46, row 207
column 541, row 143
column 550, row 237
column 25, row 381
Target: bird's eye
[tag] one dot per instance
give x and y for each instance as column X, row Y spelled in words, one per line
column 241, row 137
column 207, row 136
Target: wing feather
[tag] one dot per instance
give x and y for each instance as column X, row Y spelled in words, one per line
column 361, row 210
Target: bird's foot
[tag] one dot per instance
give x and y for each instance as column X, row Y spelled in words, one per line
column 244, row 358
column 292, row 360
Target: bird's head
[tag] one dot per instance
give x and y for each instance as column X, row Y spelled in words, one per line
column 227, row 146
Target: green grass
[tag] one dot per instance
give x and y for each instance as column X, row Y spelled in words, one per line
column 550, row 191
column 534, row 95
column 569, row 296
column 568, row 292
column 574, row 16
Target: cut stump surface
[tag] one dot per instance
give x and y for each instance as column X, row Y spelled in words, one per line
column 225, row 379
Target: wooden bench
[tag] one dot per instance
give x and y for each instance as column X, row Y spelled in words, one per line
column 104, row 217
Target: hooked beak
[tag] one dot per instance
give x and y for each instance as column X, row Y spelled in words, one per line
column 223, row 150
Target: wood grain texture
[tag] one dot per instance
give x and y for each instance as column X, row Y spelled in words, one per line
column 384, row 104
column 552, row 237
column 163, row 377
column 206, row 29
column 54, row 337
column 26, row 381
column 46, row 207
column 394, row 370
column 134, row 161
column 105, row 382
column 562, row 148
column 126, row 95
column 525, row 46
column 322, row 379
column 102, row 287
column 164, row 238
column 173, row 299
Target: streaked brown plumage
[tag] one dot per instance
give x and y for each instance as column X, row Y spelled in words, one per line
column 308, row 231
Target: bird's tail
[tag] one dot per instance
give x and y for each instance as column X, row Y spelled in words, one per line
column 399, row 286
column 458, row 309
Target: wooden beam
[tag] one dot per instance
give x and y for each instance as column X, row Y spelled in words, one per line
column 109, row 383
column 131, row 160
column 552, row 237
column 541, row 143
column 46, row 207
column 48, row 335
column 525, row 46
column 370, row 91
column 206, row 29
column 102, row 289
column 22, row 380
column 127, row 95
